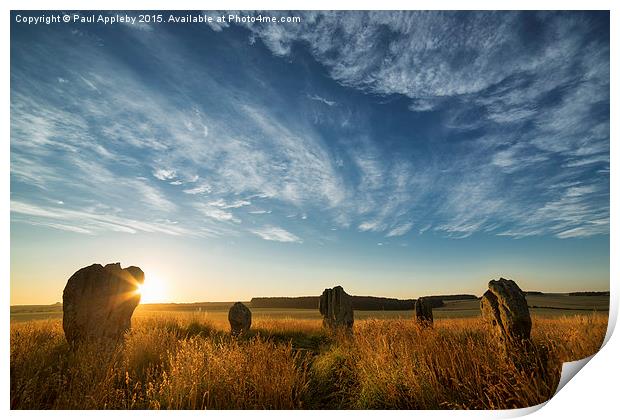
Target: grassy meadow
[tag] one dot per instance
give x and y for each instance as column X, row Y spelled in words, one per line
column 181, row 359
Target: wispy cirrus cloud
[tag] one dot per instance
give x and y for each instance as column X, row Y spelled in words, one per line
column 550, row 95
column 322, row 100
column 216, row 213
column 503, row 138
column 198, row 189
column 260, row 212
column 400, row 230
column 229, row 205
column 274, row 233
column 93, row 220
column 164, row 174
column 369, row 226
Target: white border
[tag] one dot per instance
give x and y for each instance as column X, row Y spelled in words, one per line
column 591, row 395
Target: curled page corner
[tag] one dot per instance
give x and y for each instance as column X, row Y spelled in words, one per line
column 569, row 370
column 521, row 412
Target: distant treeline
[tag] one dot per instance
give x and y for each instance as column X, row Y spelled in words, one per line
column 530, row 293
column 437, row 301
column 303, row 302
column 454, row 297
column 588, row 294
column 360, row 303
column 371, row 303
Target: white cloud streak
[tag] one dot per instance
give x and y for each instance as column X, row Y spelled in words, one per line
column 505, row 182
column 274, row 233
column 400, row 230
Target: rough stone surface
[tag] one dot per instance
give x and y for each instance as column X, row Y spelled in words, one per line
column 98, row 301
column 504, row 307
column 336, row 306
column 240, row 318
column 424, row 311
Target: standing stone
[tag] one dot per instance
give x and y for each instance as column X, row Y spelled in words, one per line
column 504, row 307
column 424, row 311
column 336, row 306
column 240, row 318
column 98, row 301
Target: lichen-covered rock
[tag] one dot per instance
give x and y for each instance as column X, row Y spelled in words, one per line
column 424, row 311
column 504, row 307
column 240, row 318
column 98, row 301
column 336, row 306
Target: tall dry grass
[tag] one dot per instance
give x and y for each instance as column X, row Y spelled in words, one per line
column 180, row 362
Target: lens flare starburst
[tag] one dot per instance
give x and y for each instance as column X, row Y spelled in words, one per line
column 153, row 290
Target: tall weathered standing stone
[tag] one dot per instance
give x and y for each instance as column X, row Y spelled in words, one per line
column 504, row 307
column 424, row 311
column 98, row 301
column 240, row 318
column 336, row 306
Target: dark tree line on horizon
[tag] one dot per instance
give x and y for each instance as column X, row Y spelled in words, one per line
column 360, row 303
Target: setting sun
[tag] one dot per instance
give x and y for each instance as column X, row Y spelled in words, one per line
column 153, row 290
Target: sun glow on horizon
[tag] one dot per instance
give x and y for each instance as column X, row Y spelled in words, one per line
column 153, row 290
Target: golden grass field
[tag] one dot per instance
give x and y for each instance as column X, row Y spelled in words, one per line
column 190, row 361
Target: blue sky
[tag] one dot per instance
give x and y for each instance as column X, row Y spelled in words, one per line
column 394, row 153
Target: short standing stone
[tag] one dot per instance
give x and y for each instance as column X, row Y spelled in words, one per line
column 98, row 301
column 240, row 318
column 336, row 306
column 504, row 307
column 424, row 311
